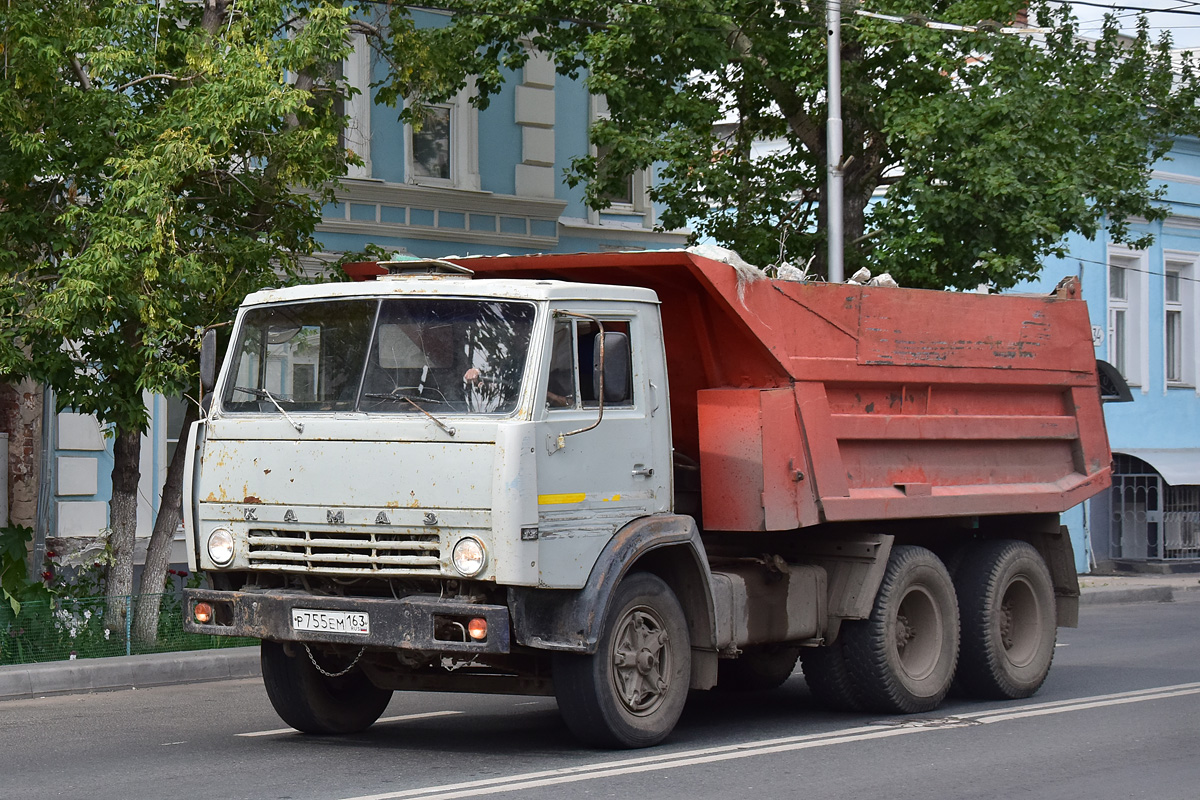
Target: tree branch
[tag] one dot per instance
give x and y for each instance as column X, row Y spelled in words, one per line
column 85, row 83
column 214, row 15
column 157, row 76
column 798, row 119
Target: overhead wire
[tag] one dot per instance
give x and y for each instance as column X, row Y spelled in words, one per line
column 1073, row 257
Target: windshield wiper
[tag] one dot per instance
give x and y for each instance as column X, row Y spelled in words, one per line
column 260, row 393
column 412, row 401
column 401, row 397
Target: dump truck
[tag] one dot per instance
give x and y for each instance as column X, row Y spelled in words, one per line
column 614, row 478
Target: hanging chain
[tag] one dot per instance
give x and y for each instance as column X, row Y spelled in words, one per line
column 328, row 674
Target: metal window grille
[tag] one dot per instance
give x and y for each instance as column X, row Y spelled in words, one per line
column 1152, row 520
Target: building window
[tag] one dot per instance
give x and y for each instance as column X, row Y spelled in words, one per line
column 431, row 145
column 633, row 199
column 1179, row 322
column 1126, row 316
column 625, row 198
column 444, row 151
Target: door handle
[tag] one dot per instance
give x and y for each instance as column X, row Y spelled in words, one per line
column 643, row 470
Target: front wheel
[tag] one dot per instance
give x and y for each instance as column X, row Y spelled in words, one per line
column 631, row 692
column 902, row 658
column 315, row 702
column 1009, row 625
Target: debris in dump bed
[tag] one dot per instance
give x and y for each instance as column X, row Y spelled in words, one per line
column 885, row 280
column 860, row 278
column 790, row 272
column 746, row 273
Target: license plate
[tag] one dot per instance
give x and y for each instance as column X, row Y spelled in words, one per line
column 311, row 619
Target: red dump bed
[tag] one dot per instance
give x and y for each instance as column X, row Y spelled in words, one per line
column 807, row 403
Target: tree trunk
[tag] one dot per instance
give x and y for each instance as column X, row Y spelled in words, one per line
column 158, row 555
column 126, row 473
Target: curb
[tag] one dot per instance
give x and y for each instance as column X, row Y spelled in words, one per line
column 1138, row 594
column 1148, row 594
column 127, row 672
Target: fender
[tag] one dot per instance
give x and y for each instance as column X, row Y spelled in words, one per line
column 571, row 620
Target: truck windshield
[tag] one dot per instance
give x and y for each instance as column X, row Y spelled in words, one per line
column 407, row 355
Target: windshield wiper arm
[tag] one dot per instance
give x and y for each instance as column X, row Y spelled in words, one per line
column 404, row 398
column 299, row 426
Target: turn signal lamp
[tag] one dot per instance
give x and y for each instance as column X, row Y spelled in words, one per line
column 203, row 612
column 477, row 628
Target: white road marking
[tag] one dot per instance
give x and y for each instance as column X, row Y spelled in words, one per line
column 709, row 755
column 380, row 721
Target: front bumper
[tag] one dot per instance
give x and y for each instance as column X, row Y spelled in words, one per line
column 408, row 623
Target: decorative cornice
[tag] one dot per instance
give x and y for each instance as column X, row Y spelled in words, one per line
column 446, row 199
column 497, row 214
column 394, row 231
column 1174, row 177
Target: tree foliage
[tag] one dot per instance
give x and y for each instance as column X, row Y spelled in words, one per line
column 991, row 146
column 152, row 157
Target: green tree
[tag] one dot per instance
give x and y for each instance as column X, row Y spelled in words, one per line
column 990, row 146
column 152, row 162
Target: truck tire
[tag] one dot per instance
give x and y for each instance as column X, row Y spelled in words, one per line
column 828, row 678
column 902, row 657
column 1009, row 624
column 314, row 703
column 631, row 691
column 758, row 669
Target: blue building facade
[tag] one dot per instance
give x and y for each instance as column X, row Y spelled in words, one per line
column 1143, row 306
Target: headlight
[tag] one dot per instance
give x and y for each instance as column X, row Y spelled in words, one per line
column 220, row 546
column 469, row 557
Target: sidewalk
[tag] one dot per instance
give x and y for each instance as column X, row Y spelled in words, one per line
column 165, row 669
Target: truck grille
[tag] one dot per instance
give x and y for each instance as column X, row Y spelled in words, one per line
column 382, row 553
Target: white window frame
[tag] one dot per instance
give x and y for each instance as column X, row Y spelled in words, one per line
column 356, row 72
column 464, row 145
column 1135, row 358
column 1185, row 265
column 640, row 190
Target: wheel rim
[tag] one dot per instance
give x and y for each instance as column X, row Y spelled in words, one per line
column 1019, row 623
column 641, row 661
column 917, row 633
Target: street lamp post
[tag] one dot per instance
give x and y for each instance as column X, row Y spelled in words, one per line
column 833, row 141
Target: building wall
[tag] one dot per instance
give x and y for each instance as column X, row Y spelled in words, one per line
column 1163, row 415
column 506, row 192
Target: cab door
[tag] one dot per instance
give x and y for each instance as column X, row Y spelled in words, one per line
column 594, row 478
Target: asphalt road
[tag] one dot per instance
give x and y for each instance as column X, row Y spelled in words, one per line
column 1118, row 718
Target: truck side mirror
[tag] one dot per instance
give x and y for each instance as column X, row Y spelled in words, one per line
column 208, row 361
column 615, row 365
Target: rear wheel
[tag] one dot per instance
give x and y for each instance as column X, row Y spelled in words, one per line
column 902, row 658
column 313, row 702
column 758, row 669
column 829, row 679
column 1009, row 625
column 631, row 692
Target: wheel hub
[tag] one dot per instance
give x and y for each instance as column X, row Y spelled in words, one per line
column 641, row 661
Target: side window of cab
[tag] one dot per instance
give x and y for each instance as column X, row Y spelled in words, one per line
column 574, row 380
